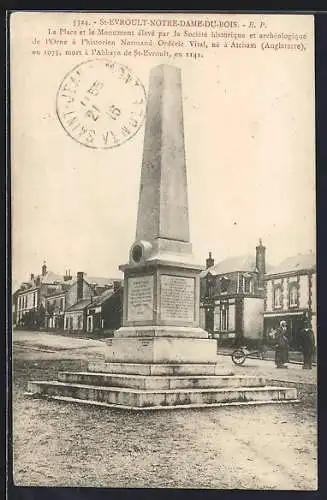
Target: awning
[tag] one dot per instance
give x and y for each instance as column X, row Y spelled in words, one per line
column 272, row 315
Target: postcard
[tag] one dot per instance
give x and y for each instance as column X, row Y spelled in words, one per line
column 163, row 250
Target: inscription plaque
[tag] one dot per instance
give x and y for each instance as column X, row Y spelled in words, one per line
column 177, row 298
column 140, row 298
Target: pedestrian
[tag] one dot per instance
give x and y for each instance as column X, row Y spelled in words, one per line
column 307, row 344
column 281, row 346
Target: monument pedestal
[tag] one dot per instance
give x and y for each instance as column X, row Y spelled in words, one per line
column 161, row 350
column 161, row 331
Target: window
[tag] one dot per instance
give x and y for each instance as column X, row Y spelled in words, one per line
column 67, row 323
column 34, row 299
column 224, row 317
column 293, row 295
column 224, row 284
column 62, row 303
column 248, row 283
column 80, row 322
column 278, row 297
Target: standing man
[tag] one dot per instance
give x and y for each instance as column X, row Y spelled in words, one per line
column 281, row 353
column 308, row 345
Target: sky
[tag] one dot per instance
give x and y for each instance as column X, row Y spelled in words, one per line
column 250, row 152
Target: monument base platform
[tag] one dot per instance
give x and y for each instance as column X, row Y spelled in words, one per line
column 161, row 331
column 137, row 386
column 160, row 350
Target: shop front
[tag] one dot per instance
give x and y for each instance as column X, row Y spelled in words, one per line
column 295, row 322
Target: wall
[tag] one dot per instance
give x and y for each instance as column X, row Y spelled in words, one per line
column 253, row 317
column 71, row 294
column 57, row 302
column 111, row 311
column 304, row 292
column 285, row 283
column 73, row 320
column 269, row 296
column 25, row 302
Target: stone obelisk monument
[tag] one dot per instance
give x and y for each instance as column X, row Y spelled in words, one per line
column 161, row 281
column 160, row 358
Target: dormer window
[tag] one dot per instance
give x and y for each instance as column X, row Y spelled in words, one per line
column 224, row 284
column 248, row 284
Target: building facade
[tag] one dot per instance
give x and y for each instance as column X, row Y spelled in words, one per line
column 290, row 295
column 75, row 316
column 232, row 297
column 104, row 313
column 44, row 300
column 31, row 298
column 85, row 313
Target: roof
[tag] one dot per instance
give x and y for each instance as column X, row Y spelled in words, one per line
column 296, row 263
column 232, row 264
column 99, row 281
column 80, row 305
column 51, row 277
column 100, row 299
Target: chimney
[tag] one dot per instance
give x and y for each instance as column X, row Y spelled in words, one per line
column 260, row 261
column 67, row 276
column 44, row 269
column 32, row 276
column 210, row 261
column 117, row 285
column 80, row 279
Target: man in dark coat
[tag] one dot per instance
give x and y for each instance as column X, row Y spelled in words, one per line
column 281, row 353
column 308, row 345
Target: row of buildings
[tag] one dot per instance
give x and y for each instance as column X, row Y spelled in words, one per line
column 245, row 298
column 240, row 298
column 80, row 303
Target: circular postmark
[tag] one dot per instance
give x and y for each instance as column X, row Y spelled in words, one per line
column 101, row 103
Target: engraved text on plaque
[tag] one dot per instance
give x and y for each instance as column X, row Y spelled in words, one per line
column 140, row 298
column 177, row 296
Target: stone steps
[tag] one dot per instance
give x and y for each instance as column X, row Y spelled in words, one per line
column 131, row 398
column 154, row 408
column 160, row 382
column 158, row 369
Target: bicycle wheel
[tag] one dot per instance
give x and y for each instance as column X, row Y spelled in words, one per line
column 238, row 357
